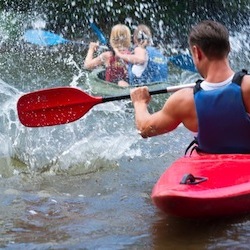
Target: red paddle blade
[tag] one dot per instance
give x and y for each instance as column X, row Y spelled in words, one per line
column 54, row 106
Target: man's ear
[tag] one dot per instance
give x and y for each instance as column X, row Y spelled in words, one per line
column 197, row 53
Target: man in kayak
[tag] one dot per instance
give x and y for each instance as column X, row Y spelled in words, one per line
column 217, row 109
column 116, row 68
column 147, row 64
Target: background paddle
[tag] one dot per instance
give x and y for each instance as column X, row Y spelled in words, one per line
column 99, row 34
column 183, row 61
column 46, row 38
column 63, row 105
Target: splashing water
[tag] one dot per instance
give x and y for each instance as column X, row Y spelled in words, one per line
column 106, row 133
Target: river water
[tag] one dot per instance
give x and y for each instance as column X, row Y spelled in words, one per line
column 87, row 184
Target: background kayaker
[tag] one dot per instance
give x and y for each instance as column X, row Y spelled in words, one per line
column 147, row 64
column 217, row 110
column 116, row 68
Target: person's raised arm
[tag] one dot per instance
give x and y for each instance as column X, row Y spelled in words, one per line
column 139, row 56
column 91, row 62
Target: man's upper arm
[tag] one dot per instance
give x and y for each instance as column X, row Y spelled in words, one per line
column 178, row 108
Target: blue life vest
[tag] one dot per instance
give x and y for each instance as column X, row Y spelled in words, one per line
column 156, row 70
column 223, row 124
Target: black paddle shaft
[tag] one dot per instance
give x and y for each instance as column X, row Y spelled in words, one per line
column 153, row 92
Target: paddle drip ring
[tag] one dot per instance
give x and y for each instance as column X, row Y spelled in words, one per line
column 189, row 179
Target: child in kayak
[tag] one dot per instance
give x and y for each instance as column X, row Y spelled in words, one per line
column 116, row 68
column 147, row 64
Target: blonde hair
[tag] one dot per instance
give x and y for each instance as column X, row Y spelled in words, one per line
column 120, row 36
column 142, row 34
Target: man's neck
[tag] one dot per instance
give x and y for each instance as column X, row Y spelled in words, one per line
column 218, row 71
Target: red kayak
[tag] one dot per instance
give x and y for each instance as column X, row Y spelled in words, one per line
column 205, row 186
